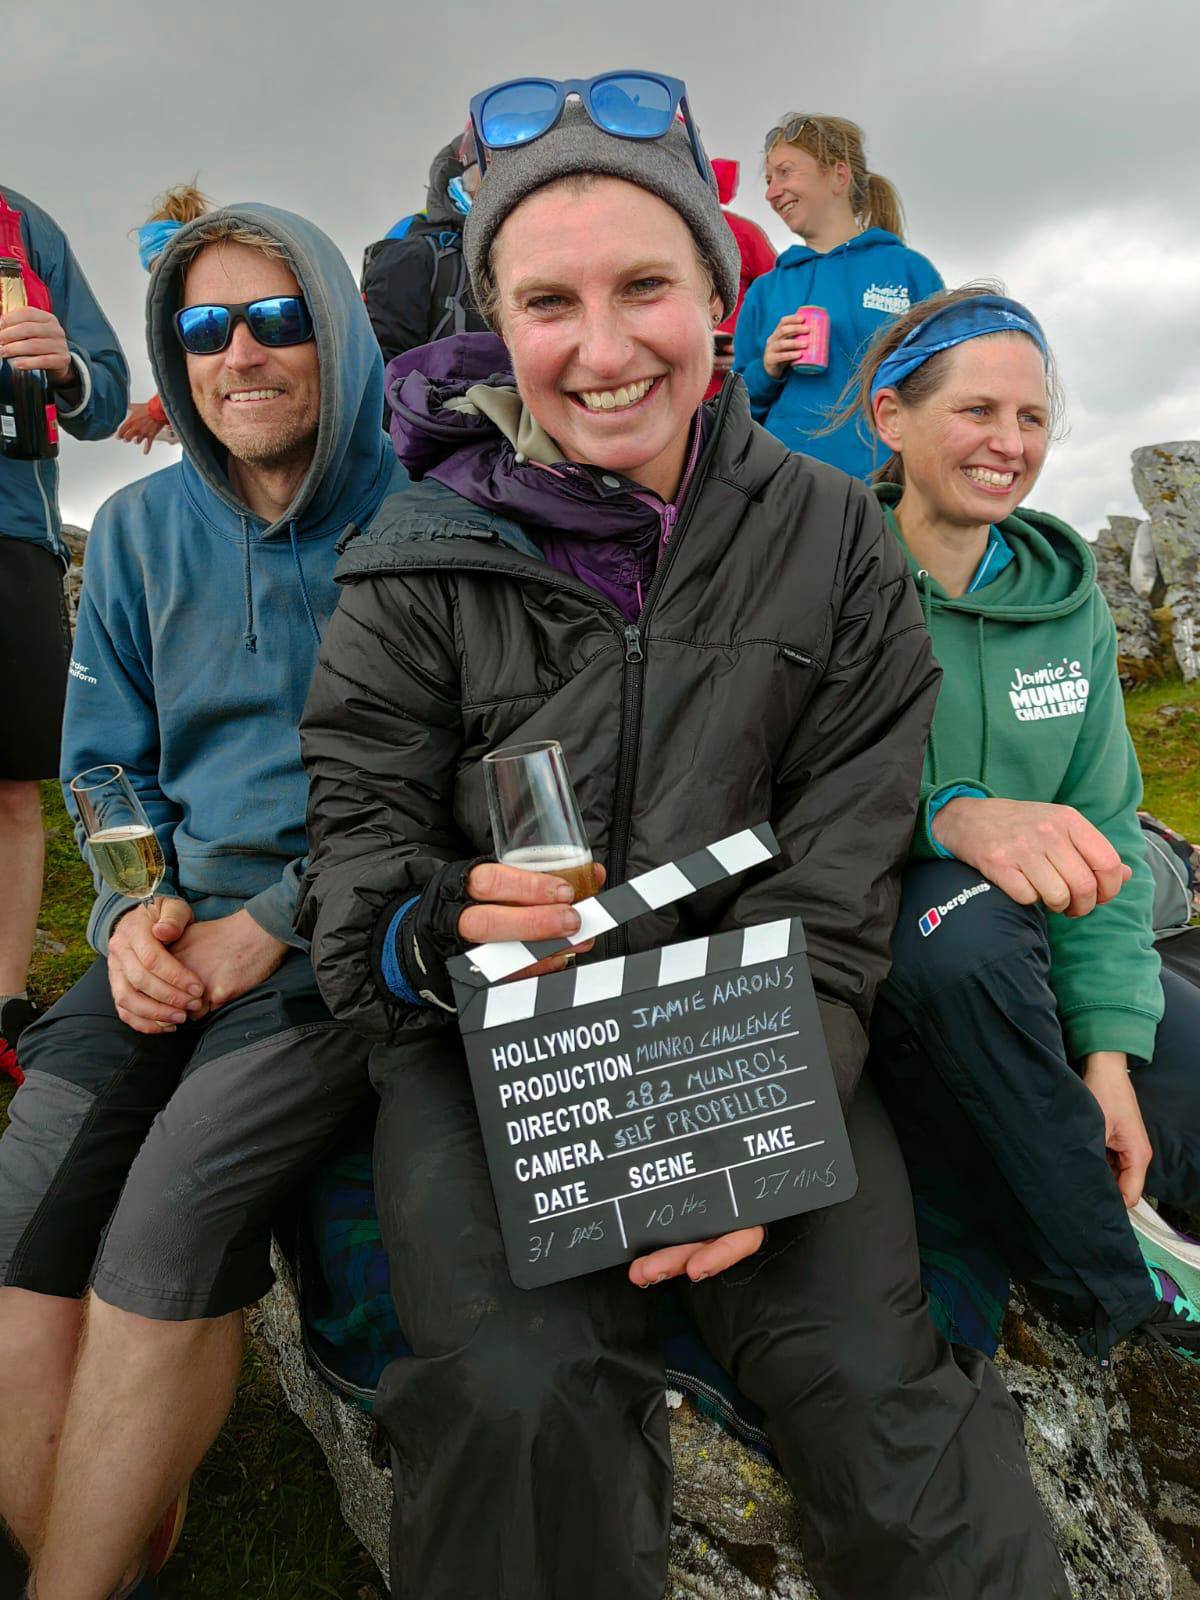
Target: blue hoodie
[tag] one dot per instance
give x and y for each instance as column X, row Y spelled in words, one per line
column 199, row 624
column 862, row 284
column 29, row 489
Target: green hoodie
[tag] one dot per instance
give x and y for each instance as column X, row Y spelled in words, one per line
column 1030, row 709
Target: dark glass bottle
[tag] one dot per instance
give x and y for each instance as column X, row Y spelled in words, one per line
column 28, row 422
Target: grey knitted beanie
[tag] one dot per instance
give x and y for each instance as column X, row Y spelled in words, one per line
column 663, row 166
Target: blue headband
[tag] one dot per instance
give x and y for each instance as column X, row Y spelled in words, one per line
column 153, row 239
column 966, row 319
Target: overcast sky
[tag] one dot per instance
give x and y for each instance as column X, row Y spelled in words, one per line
column 1050, row 144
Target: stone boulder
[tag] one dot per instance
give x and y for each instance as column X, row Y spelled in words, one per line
column 1140, row 646
column 75, row 539
column 1115, row 1455
column 1167, row 480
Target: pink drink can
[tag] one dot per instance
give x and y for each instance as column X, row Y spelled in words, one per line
column 816, row 357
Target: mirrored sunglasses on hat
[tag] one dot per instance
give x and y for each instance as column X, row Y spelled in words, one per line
column 629, row 105
column 276, row 321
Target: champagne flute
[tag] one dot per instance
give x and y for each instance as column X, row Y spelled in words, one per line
column 124, row 846
column 535, row 817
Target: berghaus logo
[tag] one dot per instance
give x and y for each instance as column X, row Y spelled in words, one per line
column 934, row 916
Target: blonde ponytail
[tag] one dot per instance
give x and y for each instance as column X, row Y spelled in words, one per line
column 882, row 208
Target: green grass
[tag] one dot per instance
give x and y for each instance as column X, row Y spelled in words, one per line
column 66, row 901
column 1169, row 751
column 264, row 1520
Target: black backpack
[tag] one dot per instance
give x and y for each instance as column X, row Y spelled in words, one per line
column 450, row 302
column 1174, row 863
column 449, row 287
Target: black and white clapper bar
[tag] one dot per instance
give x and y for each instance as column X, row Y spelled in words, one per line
column 656, row 1098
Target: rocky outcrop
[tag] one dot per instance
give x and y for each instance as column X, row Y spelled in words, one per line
column 1149, row 570
column 1115, row 1455
column 1167, row 480
column 1139, row 643
column 75, row 540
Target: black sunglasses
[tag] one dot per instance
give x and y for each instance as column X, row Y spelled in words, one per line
column 276, row 321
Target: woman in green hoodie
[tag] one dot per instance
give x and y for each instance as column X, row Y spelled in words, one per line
column 1022, row 1039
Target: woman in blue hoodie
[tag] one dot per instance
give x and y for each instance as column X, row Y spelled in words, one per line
column 853, row 262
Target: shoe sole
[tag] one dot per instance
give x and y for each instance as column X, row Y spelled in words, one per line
column 1162, row 1247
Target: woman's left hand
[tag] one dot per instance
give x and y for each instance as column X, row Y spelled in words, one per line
column 696, row 1261
column 1126, row 1141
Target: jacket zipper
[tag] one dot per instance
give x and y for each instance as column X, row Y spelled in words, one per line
column 629, row 749
column 685, row 1383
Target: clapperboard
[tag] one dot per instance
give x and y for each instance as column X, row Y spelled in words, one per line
column 657, row 1098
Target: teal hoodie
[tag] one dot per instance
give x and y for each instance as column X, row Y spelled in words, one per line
column 862, row 284
column 1030, row 708
column 199, row 623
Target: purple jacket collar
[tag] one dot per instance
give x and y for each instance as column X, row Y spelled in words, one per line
column 592, row 525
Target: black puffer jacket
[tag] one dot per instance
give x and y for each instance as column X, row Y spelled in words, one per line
column 780, row 669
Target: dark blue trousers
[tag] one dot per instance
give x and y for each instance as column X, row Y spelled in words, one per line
column 968, row 1053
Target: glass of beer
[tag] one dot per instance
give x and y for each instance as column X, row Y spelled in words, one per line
column 124, row 846
column 535, row 817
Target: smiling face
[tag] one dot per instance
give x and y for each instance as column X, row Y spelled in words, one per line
column 806, row 195
column 608, row 317
column 262, row 404
column 973, row 449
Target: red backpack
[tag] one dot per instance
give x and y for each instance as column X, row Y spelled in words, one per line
column 12, row 244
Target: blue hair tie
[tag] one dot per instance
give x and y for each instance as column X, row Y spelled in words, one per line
column 153, row 239
column 966, row 319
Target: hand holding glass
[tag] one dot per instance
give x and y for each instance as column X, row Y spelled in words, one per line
column 124, row 846
column 536, row 824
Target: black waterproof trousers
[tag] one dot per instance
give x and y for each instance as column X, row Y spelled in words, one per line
column 997, row 1125
column 529, row 1429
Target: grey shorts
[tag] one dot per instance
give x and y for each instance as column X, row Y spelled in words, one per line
column 150, row 1167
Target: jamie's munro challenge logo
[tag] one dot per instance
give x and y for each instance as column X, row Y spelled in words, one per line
column 934, row 916
column 1055, row 690
column 889, row 297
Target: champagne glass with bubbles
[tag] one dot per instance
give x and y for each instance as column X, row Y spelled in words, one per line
column 535, row 817
column 124, row 846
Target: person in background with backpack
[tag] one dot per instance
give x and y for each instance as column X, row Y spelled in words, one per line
column 415, row 282
column 172, row 209
column 61, row 331
column 804, row 326
column 1037, row 1057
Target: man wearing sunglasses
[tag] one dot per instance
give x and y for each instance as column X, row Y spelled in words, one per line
column 172, row 1096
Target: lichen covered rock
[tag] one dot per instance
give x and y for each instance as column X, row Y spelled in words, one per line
column 1115, row 1456
column 1140, row 652
column 1167, row 480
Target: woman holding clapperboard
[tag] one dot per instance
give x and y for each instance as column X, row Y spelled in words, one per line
column 718, row 631
column 1022, row 1035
